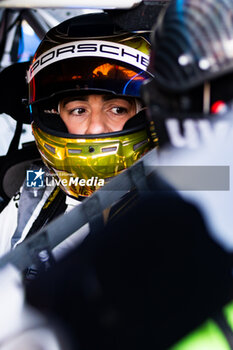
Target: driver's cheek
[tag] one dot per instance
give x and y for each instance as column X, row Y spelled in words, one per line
column 117, row 123
column 76, row 126
column 114, row 122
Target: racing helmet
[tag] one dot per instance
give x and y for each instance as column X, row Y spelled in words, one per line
column 87, row 54
column 192, row 62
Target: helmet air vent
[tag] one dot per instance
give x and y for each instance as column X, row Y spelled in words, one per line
column 109, row 149
column 50, row 148
column 139, row 144
column 74, row 151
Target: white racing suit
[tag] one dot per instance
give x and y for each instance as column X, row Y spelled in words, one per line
column 24, row 208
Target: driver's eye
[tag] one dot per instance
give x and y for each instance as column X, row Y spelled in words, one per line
column 78, row 110
column 119, row 110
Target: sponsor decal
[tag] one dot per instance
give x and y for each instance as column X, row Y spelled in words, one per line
column 93, row 48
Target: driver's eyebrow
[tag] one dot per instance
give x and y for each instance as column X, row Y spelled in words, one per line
column 76, row 98
column 85, row 98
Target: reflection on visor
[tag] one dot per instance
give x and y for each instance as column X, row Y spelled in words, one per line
column 86, row 74
column 110, row 71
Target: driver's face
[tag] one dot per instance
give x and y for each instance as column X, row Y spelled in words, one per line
column 96, row 114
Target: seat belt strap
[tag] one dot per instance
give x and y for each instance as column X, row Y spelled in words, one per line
column 93, row 214
column 138, row 177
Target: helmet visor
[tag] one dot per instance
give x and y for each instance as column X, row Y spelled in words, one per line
column 86, row 73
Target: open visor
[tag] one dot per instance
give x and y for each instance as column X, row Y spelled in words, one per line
column 86, row 73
